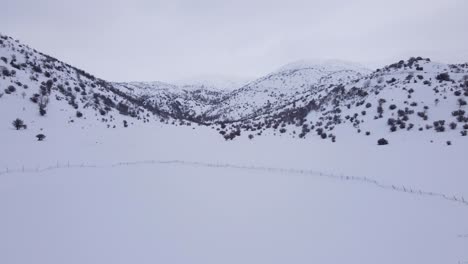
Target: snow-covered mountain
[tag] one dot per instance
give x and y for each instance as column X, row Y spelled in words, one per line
column 180, row 102
column 213, row 82
column 45, row 92
column 332, row 99
column 415, row 97
column 281, row 88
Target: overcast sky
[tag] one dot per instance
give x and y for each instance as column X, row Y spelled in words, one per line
column 169, row 40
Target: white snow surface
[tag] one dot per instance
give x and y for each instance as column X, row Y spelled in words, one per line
column 223, row 201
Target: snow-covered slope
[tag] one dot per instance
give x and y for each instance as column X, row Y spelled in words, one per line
column 334, row 99
column 155, row 193
column 212, row 82
column 408, row 99
column 282, row 87
column 45, row 92
column 180, row 102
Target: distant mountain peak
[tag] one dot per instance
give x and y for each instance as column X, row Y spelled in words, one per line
column 326, row 65
column 216, row 82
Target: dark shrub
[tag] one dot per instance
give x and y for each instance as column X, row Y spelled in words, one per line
column 382, row 141
column 6, row 72
column 11, row 89
column 443, row 77
column 439, row 128
column 40, row 137
column 380, row 110
column 401, row 112
column 461, row 102
column 123, row 109
column 18, row 124
column 37, row 68
column 35, row 98
column 422, row 115
column 42, row 111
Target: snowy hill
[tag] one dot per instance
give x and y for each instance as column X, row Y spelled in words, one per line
column 281, row 88
column 46, row 92
column 413, row 98
column 325, row 65
column 212, row 82
column 332, row 99
column 179, row 102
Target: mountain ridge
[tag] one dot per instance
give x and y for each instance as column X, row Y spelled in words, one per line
column 299, row 99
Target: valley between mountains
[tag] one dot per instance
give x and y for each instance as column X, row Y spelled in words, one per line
column 325, row 162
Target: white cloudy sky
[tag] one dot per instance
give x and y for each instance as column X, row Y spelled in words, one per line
column 170, row 40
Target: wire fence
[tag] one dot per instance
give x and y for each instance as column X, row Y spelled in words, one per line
column 364, row 180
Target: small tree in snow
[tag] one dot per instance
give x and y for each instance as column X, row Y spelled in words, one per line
column 18, row 124
column 40, row 137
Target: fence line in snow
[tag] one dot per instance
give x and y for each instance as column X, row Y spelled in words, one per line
column 365, row 180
